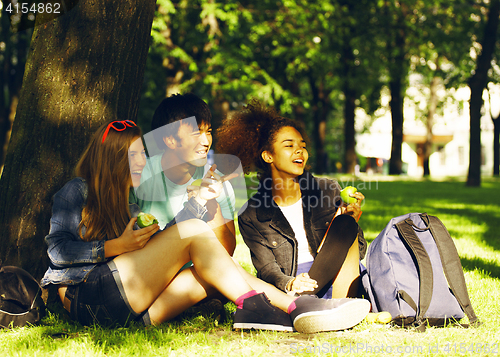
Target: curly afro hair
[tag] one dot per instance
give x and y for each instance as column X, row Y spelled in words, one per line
column 250, row 131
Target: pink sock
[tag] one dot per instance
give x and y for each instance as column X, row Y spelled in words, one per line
column 291, row 307
column 239, row 301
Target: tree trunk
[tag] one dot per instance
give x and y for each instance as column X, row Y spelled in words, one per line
column 496, row 146
column 12, row 62
column 433, row 99
column 84, row 68
column 397, row 86
column 319, row 114
column 396, row 163
column 350, row 158
column 477, row 84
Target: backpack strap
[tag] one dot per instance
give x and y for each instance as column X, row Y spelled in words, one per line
column 424, row 268
column 452, row 266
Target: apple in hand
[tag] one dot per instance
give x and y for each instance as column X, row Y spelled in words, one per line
column 145, row 220
column 197, row 182
column 345, row 195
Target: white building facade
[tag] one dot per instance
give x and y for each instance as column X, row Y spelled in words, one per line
column 450, row 153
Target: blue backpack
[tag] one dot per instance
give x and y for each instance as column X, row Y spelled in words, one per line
column 414, row 272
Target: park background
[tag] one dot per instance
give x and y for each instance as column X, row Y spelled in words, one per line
column 400, row 93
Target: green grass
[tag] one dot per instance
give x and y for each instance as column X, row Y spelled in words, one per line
column 472, row 215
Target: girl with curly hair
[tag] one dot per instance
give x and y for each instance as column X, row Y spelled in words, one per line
column 289, row 226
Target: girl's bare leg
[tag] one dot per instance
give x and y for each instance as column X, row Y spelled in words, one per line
column 188, row 288
column 347, row 281
column 185, row 290
column 146, row 272
column 277, row 297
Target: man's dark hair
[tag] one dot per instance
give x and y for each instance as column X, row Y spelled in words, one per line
column 174, row 108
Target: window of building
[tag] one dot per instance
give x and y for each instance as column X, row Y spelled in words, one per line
column 442, row 155
column 461, row 155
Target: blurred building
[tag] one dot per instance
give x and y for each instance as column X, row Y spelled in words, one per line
column 450, row 148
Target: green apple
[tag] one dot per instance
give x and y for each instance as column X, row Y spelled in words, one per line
column 371, row 317
column 196, row 182
column 146, row 219
column 345, row 195
column 384, row 317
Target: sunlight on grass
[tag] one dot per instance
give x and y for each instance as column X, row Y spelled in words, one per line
column 472, row 216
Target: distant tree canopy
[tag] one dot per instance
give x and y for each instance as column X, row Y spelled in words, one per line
column 318, row 62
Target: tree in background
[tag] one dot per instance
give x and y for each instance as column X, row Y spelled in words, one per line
column 496, row 130
column 396, row 30
column 477, row 84
column 316, row 55
column 84, row 67
column 496, row 142
column 440, row 59
column 15, row 36
column 317, row 62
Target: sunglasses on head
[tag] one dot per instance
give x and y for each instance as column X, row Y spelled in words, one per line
column 118, row 125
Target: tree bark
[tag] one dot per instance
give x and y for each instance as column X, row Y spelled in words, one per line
column 12, row 63
column 397, row 86
column 496, row 146
column 350, row 158
column 319, row 113
column 84, row 68
column 477, row 84
column 396, row 163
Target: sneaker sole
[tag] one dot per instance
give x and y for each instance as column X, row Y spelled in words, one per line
column 257, row 326
column 346, row 316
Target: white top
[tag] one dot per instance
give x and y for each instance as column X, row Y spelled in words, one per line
column 295, row 217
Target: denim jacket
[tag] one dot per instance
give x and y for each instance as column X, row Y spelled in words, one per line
column 272, row 243
column 72, row 258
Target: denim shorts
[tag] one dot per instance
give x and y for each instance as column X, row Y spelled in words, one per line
column 101, row 300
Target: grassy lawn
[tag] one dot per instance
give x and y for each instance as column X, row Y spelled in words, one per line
column 472, row 215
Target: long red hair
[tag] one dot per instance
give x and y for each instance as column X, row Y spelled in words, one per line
column 105, row 167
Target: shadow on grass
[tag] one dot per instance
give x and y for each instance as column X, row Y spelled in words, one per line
column 450, row 201
column 490, row 268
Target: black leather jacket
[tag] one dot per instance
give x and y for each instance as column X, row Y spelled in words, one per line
column 270, row 237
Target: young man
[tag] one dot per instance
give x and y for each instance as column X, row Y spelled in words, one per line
column 181, row 128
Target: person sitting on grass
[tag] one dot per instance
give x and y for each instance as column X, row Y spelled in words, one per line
column 181, row 130
column 285, row 223
column 108, row 273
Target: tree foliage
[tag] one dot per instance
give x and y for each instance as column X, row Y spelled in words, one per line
column 477, row 84
column 318, row 62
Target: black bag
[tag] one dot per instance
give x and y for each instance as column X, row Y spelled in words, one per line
column 20, row 298
column 414, row 272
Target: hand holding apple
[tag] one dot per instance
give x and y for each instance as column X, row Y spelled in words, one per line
column 352, row 198
column 146, row 219
column 345, row 194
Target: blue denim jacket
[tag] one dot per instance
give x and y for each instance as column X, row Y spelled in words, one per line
column 72, row 258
